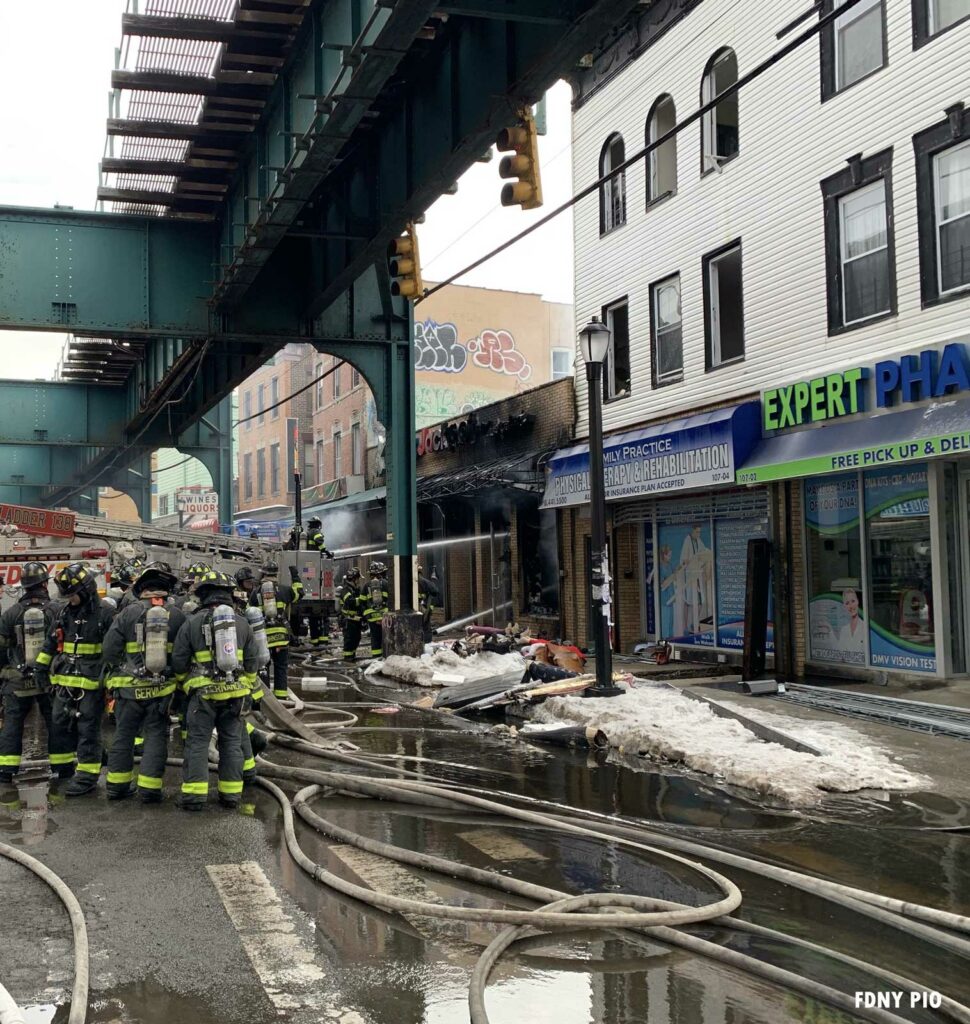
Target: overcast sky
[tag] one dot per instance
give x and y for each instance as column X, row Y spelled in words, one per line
column 52, row 125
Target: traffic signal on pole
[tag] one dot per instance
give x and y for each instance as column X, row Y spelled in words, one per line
column 523, row 165
column 405, row 265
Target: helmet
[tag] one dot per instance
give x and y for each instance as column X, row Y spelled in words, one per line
column 377, row 569
column 270, row 569
column 195, row 571
column 212, row 581
column 314, row 522
column 34, row 574
column 128, row 571
column 244, row 574
column 352, row 575
column 73, row 579
column 155, row 576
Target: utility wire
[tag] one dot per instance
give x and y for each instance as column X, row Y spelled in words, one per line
column 296, row 394
column 743, row 80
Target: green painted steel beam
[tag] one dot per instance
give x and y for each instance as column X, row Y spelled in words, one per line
column 103, row 274
column 67, row 415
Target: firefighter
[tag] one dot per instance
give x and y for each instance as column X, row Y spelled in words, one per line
column 216, row 656
column 124, row 579
column 276, row 603
column 427, row 592
column 23, row 629
column 319, row 624
column 138, row 653
column 350, row 613
column 71, row 660
column 186, row 602
column 375, row 605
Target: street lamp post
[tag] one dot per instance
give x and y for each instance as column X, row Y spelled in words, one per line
column 594, row 342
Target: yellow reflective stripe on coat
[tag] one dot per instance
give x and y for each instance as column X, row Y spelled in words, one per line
column 134, row 647
column 81, row 648
column 76, row 682
column 44, row 658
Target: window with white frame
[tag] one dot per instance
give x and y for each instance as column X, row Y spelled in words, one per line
column 163, row 504
column 356, row 454
column 724, row 315
column 354, row 378
column 338, row 455
column 336, row 377
column 261, row 472
column 260, row 403
column 319, row 388
column 951, row 189
column 248, row 409
column 864, row 253
column 612, row 192
column 274, row 397
column 854, row 46
column 931, row 17
column 248, row 474
column 668, row 341
column 562, row 363
column 662, row 161
column 274, row 469
column 320, row 476
column 616, row 368
column 720, row 139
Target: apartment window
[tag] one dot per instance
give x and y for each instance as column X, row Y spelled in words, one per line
column 274, row 469
column 260, row 403
column 274, row 397
column 667, row 337
column 336, row 377
column 319, row 462
column 720, row 141
column 661, row 162
column 562, row 363
column 616, row 369
column 354, row 377
column 338, row 455
column 163, row 504
column 859, row 243
column 248, row 409
column 612, row 192
column 248, row 474
column 319, row 389
column 356, row 455
column 723, row 306
column 943, row 204
column 931, row 17
column 261, row 472
column 853, row 46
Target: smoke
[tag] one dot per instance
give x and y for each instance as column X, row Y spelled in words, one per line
column 345, row 529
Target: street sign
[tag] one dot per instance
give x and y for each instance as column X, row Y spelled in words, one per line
column 193, row 503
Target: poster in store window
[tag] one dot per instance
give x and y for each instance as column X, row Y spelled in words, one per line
column 731, row 538
column 685, row 564
column 837, row 624
column 649, row 568
column 901, row 629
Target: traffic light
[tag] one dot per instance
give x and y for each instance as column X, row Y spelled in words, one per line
column 522, row 140
column 405, row 265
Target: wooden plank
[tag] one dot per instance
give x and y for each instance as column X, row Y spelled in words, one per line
column 258, row 59
column 213, row 169
column 208, row 30
column 134, row 128
column 151, row 198
column 244, row 84
column 269, row 18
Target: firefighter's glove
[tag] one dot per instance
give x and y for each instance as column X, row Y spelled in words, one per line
column 327, row 552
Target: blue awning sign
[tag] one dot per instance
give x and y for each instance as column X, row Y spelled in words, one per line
column 679, row 455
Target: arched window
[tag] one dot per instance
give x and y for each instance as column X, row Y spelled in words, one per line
column 661, row 162
column 719, row 128
column 612, row 192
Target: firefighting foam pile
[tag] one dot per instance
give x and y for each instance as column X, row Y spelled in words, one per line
column 443, row 667
column 659, row 723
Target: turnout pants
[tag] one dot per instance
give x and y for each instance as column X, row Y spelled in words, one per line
column 319, row 629
column 201, row 717
column 147, row 719
column 60, row 750
column 76, row 715
column 351, row 639
column 280, row 658
column 376, row 638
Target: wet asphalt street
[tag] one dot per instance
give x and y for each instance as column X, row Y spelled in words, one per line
column 206, row 917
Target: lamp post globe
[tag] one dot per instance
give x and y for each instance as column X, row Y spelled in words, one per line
column 594, row 343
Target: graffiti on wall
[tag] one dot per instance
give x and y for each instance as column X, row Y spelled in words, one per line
column 432, row 404
column 496, row 351
column 436, row 347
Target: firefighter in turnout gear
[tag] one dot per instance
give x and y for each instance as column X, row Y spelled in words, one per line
column 351, row 601
column 23, row 630
column 427, row 592
column 138, row 653
column 71, row 660
column 187, row 602
column 123, row 580
column 375, row 605
column 319, row 624
column 276, row 602
column 216, row 657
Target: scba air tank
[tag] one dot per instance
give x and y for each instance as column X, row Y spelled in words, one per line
column 267, row 592
column 34, row 634
column 258, row 625
column 224, row 638
column 156, row 639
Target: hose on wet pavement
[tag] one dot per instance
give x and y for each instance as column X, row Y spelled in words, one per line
column 79, row 993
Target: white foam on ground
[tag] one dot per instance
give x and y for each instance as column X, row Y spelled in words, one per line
column 660, row 723
column 421, row 671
